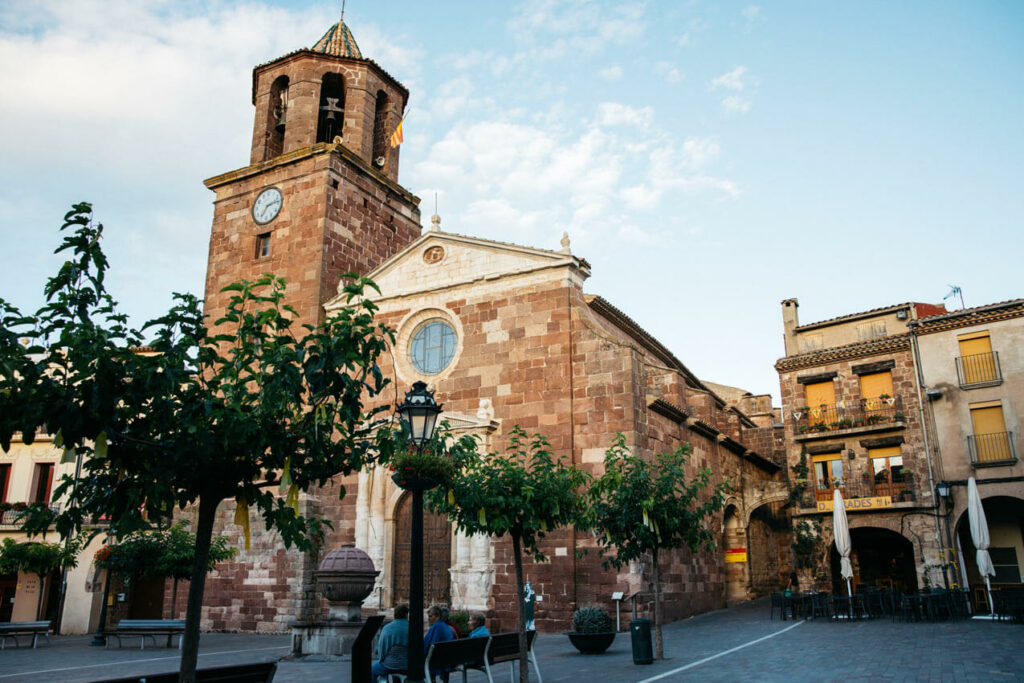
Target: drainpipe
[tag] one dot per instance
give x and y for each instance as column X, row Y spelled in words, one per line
column 919, row 374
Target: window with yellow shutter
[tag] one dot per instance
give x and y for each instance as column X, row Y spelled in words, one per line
column 876, row 395
column 821, row 402
column 990, row 443
column 828, row 475
column 977, row 363
column 890, row 478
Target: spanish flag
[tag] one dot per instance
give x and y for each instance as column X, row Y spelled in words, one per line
column 396, row 137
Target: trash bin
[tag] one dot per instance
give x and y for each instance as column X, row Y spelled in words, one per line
column 643, row 651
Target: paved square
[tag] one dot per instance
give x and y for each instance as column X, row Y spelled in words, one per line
column 738, row 644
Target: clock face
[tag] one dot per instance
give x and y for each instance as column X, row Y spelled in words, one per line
column 267, row 205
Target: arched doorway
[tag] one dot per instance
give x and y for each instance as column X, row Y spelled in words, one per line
column 880, row 558
column 1005, row 517
column 769, row 553
column 437, row 555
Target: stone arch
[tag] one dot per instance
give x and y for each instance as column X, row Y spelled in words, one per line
column 1005, row 517
column 380, row 129
column 881, row 557
column 277, row 116
column 769, row 551
column 437, row 555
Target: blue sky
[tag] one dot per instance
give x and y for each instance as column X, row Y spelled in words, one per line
column 708, row 159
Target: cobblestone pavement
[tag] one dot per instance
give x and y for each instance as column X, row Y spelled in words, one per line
column 729, row 645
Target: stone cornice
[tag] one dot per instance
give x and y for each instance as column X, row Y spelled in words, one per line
column 297, row 155
column 899, row 342
column 666, row 409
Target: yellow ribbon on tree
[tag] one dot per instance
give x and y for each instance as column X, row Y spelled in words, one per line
column 242, row 517
column 292, row 499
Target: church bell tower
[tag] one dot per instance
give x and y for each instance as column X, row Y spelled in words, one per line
column 320, row 196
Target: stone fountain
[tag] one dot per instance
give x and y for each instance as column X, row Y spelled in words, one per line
column 345, row 578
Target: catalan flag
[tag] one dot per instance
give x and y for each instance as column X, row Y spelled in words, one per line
column 396, row 137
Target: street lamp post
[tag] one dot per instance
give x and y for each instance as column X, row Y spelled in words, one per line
column 419, row 413
column 99, row 639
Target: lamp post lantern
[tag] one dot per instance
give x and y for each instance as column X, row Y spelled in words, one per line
column 419, row 414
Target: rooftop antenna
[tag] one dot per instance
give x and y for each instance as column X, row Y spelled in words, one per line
column 955, row 291
column 435, row 202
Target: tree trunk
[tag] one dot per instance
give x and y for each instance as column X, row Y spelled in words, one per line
column 524, row 662
column 174, row 599
column 659, row 649
column 204, row 533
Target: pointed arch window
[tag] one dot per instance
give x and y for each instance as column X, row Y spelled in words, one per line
column 332, row 108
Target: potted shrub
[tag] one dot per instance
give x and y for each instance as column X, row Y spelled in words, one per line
column 592, row 630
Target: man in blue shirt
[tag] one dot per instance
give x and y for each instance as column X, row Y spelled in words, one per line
column 393, row 645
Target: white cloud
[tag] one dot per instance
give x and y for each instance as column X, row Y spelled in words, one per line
column 669, row 72
column 555, row 29
column 735, row 103
column 453, row 97
column 612, row 73
column 617, row 114
column 731, row 80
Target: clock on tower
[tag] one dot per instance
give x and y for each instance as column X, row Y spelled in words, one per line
column 320, row 196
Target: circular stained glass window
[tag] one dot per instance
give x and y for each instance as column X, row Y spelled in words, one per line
column 433, row 347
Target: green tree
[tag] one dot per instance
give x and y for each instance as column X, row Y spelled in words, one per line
column 640, row 505
column 207, row 417
column 524, row 493
column 167, row 553
column 39, row 558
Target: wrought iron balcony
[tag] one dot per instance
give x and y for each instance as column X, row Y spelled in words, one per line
column 900, row 489
column 991, row 449
column 11, row 516
column 979, row 370
column 864, row 413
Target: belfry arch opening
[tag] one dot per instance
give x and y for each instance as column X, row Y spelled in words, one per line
column 380, row 130
column 332, row 108
column 277, row 116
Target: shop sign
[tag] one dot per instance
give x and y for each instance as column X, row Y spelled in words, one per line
column 858, row 504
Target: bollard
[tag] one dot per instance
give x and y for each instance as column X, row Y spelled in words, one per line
column 643, row 651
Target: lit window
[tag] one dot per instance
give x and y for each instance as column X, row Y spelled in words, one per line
column 433, row 347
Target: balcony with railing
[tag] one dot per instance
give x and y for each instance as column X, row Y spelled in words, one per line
column 11, row 513
column 899, row 485
column 885, row 412
column 979, row 370
column 991, row 449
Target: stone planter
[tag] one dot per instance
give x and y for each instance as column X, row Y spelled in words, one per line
column 591, row 643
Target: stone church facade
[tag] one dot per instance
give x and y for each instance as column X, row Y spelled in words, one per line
column 504, row 334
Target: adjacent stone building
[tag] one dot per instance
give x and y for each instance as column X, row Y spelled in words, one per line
column 504, row 334
column 854, row 422
column 972, row 364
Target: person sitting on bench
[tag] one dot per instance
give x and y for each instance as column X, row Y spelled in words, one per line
column 393, row 645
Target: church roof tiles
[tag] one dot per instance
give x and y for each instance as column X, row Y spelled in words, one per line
column 338, row 41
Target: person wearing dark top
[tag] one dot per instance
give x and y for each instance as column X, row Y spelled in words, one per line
column 437, row 633
column 793, row 587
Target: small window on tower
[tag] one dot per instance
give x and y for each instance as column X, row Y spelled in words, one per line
column 263, row 245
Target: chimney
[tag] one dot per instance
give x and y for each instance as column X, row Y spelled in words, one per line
column 790, row 321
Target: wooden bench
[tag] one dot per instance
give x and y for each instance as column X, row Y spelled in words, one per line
column 13, row 629
column 148, row 628
column 262, row 672
column 504, row 647
column 451, row 655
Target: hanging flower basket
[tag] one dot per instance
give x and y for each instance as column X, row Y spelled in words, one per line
column 413, row 481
